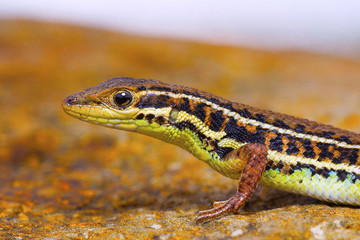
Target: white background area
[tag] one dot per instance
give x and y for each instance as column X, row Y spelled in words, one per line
column 329, row 27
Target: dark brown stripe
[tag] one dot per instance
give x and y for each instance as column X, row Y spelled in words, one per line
column 217, row 120
column 200, row 111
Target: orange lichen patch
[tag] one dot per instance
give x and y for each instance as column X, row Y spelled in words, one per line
column 62, row 178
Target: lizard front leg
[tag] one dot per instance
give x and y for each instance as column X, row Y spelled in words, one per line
column 255, row 157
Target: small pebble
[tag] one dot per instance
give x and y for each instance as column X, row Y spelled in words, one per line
column 155, row 226
column 317, row 232
column 237, row 233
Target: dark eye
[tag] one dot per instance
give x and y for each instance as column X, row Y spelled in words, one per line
column 123, row 98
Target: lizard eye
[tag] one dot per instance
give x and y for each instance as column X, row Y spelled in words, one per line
column 123, row 98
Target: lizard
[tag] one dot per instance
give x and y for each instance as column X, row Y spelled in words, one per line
column 242, row 142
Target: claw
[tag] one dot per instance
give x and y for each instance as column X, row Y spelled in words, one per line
column 222, row 208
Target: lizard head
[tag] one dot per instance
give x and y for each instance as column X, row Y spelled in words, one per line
column 123, row 103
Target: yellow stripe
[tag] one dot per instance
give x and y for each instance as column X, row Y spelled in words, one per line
column 276, row 157
column 203, row 128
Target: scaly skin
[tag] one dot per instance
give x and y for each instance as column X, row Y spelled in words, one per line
column 239, row 141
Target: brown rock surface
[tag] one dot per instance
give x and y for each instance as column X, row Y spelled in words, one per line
column 62, row 178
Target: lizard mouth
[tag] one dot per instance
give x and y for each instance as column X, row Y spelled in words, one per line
column 100, row 114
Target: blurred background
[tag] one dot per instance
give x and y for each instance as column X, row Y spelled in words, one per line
column 330, row 27
column 60, row 177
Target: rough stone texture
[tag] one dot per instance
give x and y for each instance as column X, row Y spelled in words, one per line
column 62, row 178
